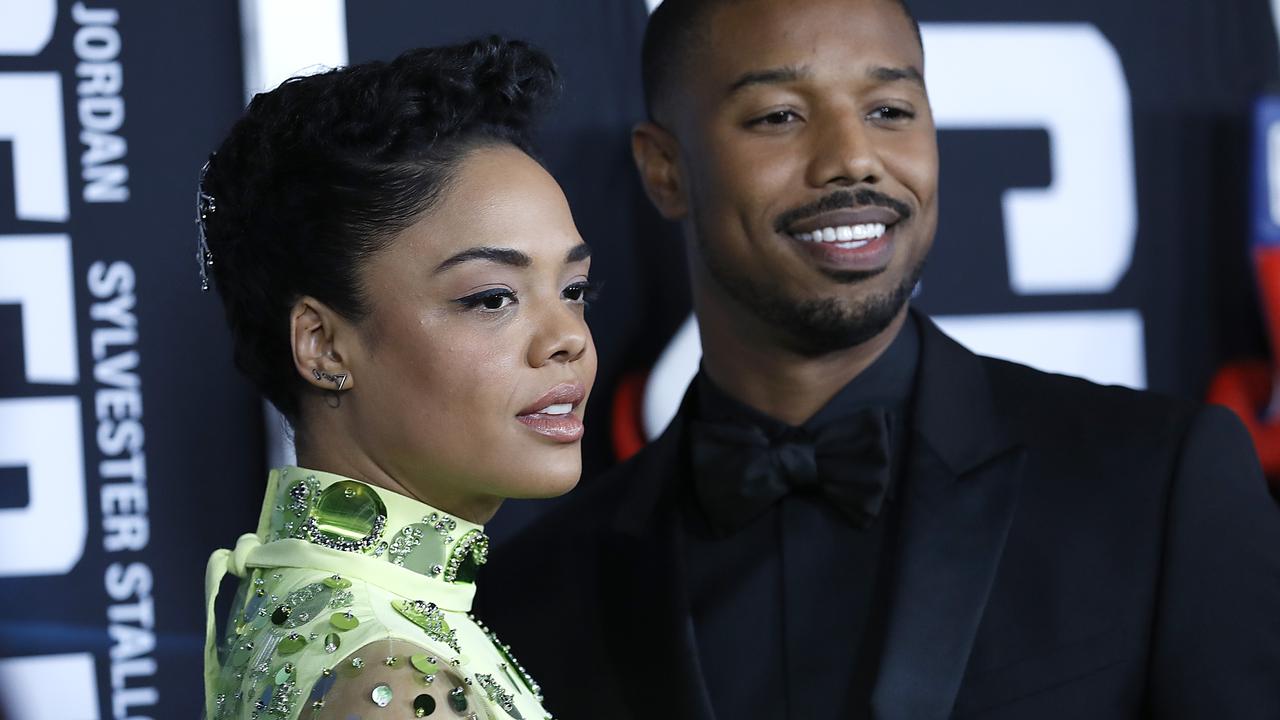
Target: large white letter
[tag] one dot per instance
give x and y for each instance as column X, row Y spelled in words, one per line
column 50, row 687
column 1077, row 235
column 27, row 26
column 47, row 537
column 31, row 119
column 36, row 274
column 43, row 434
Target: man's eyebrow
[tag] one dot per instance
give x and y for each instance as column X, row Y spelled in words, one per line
column 896, row 74
column 503, row 256
column 577, row 253
column 771, row 76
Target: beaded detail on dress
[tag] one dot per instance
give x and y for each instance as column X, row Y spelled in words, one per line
column 338, row 567
column 351, row 516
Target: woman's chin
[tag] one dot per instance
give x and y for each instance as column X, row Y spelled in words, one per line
column 543, row 486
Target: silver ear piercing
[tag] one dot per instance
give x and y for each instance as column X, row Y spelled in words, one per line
column 340, row 379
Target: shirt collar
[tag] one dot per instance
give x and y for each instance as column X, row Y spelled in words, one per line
column 888, row 383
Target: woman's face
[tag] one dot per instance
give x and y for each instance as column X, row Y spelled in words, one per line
column 473, row 367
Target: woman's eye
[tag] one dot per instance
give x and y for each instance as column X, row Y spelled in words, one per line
column 489, row 300
column 583, row 293
column 496, row 302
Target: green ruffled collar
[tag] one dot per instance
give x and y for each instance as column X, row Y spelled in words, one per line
column 342, row 514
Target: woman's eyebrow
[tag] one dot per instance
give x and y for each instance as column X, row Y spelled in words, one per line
column 577, row 253
column 503, row 256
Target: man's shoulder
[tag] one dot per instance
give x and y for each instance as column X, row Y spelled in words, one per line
column 1034, row 402
column 1053, row 409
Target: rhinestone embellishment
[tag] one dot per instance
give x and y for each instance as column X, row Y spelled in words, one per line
column 498, row 695
column 430, row 618
column 467, row 556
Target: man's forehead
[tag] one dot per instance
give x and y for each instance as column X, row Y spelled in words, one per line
column 871, row 38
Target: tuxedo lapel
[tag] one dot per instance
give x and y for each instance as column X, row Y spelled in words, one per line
column 650, row 629
column 958, row 502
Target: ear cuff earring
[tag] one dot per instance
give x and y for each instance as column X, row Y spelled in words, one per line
column 340, row 379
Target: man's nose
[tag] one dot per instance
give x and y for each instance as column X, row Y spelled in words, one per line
column 845, row 153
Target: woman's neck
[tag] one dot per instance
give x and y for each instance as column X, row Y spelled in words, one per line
column 319, row 446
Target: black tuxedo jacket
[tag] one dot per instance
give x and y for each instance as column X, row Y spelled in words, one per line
column 1066, row 550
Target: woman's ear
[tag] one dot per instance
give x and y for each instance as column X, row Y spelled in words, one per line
column 657, row 157
column 319, row 336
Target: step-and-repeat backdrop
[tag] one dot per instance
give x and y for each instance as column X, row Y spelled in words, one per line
column 1094, row 215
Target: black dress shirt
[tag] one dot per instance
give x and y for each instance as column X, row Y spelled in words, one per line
column 788, row 611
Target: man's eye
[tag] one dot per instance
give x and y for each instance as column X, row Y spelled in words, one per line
column 888, row 112
column 777, row 117
column 488, row 300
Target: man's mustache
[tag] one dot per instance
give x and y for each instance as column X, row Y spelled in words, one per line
column 840, row 200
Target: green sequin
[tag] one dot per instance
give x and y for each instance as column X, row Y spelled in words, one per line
column 344, row 621
column 424, row 664
column 292, row 643
column 337, row 582
column 458, row 699
column 347, row 516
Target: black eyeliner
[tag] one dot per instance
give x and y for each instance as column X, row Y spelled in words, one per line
column 474, row 300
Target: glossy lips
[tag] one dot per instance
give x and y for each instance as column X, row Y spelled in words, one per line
column 551, row 415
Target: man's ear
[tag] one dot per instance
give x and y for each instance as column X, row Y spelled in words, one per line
column 320, row 337
column 657, row 157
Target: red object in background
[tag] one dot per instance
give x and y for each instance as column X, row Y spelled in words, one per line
column 1252, row 387
column 1266, row 262
column 628, row 419
column 1246, row 388
column 1249, row 387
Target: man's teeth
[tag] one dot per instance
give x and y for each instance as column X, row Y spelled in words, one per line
column 844, row 236
column 561, row 409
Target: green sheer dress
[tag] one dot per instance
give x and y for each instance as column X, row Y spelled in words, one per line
column 355, row 596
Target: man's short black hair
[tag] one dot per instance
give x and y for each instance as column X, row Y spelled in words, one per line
column 673, row 29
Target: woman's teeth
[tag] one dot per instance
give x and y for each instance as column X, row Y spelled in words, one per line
column 560, row 409
column 844, row 236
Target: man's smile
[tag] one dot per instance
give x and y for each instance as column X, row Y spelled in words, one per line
column 844, row 236
column 851, row 239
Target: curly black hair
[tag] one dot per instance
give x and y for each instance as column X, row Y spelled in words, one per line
column 325, row 170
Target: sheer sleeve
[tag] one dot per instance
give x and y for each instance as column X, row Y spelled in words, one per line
column 402, row 678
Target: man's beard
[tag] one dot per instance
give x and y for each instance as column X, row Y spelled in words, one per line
column 821, row 326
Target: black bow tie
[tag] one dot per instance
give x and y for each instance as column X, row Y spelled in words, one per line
column 739, row 473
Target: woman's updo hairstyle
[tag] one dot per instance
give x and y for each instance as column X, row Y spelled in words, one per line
column 322, row 172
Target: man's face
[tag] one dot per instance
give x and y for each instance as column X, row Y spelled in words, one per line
column 810, row 163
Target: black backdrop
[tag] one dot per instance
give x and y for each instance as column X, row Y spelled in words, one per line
column 102, row 621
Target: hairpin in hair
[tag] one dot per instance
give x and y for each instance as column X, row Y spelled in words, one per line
column 205, row 206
